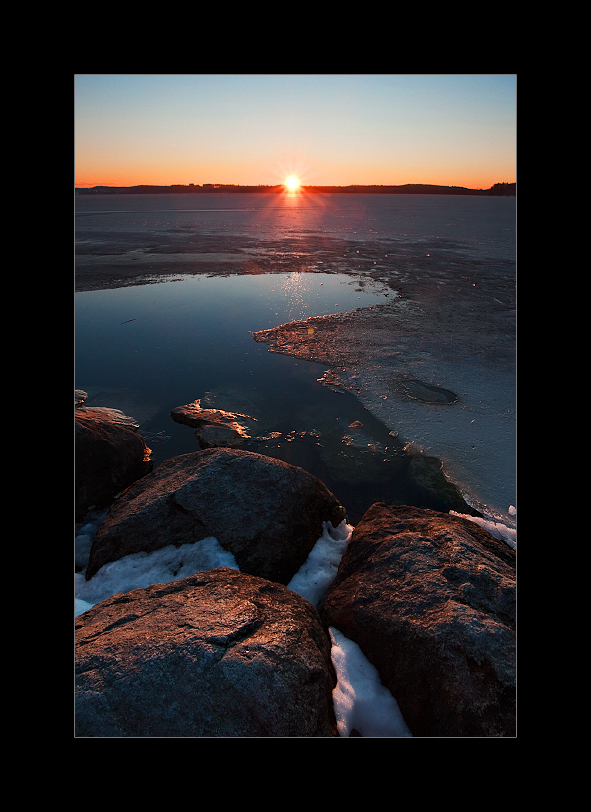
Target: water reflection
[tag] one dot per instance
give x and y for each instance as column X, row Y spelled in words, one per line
column 172, row 342
column 149, row 349
column 296, row 288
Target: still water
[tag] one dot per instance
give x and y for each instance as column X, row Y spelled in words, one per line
column 146, row 349
column 172, row 341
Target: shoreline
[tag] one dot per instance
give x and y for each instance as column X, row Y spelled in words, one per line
column 411, row 382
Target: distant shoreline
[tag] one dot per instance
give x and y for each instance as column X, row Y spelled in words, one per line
column 497, row 190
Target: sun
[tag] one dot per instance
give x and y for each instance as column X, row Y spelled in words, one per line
column 292, row 183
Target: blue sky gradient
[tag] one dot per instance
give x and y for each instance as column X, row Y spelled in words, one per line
column 454, row 130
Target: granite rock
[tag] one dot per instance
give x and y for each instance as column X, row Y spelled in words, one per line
column 267, row 513
column 217, row 654
column 109, row 456
column 430, row 600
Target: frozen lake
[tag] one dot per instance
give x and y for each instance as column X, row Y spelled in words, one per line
column 243, row 263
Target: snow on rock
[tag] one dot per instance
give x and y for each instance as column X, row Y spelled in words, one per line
column 497, row 529
column 319, row 570
column 140, row 570
column 361, row 702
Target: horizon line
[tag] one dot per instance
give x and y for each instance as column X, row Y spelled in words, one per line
column 82, row 185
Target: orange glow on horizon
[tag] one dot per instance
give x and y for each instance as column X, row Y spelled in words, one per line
column 126, row 181
column 292, row 175
column 293, row 179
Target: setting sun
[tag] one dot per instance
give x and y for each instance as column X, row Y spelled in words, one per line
column 292, row 183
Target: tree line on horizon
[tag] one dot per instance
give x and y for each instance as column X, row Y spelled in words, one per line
column 498, row 189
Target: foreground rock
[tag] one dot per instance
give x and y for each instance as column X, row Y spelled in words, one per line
column 215, row 428
column 109, row 456
column 430, row 599
column 220, row 653
column 267, row 513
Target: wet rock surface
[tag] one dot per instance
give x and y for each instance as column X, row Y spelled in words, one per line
column 215, row 427
column 267, row 513
column 429, row 487
column 430, row 599
column 220, row 653
column 109, row 455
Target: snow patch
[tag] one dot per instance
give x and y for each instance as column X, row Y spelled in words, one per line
column 360, row 700
column 320, row 568
column 140, row 570
column 497, row 529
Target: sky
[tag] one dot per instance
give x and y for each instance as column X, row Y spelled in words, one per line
column 326, row 129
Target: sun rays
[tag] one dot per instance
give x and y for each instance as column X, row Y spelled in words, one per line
column 292, row 183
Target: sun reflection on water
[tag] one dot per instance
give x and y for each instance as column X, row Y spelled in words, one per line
column 296, row 288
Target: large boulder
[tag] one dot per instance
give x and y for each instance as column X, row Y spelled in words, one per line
column 109, row 456
column 267, row 513
column 220, row 653
column 430, row 600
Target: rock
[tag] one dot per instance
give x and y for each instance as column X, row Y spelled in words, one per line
column 267, row 513
column 109, row 456
column 221, row 436
column 428, row 485
column 220, row 653
column 430, row 600
column 215, row 427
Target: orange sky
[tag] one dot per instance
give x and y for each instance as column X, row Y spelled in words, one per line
column 456, row 130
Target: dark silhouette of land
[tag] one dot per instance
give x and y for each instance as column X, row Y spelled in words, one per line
column 498, row 189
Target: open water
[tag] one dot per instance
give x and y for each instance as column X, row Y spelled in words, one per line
column 215, row 268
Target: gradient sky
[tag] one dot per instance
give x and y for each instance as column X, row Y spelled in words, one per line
column 453, row 130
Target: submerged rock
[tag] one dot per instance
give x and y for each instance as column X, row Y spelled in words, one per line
column 220, row 653
column 109, row 456
column 428, row 486
column 267, row 513
column 215, row 427
column 430, row 600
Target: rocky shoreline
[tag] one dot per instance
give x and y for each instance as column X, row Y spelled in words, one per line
column 428, row 596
